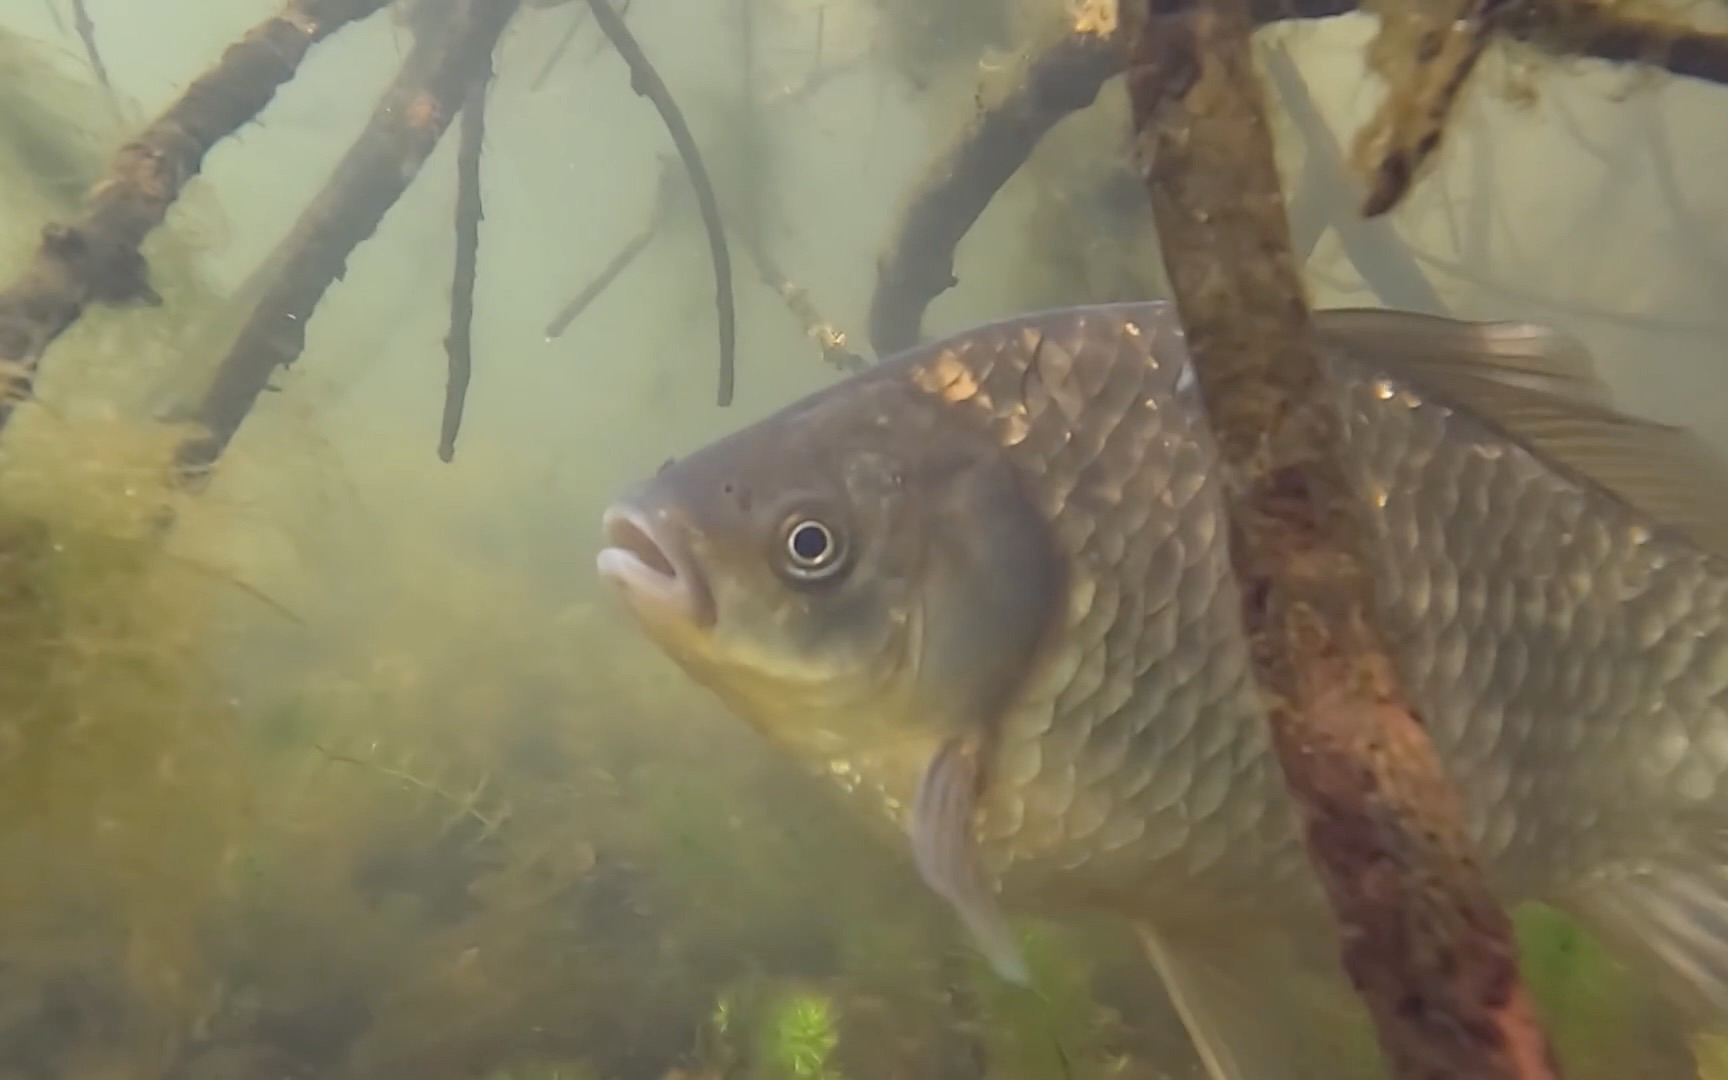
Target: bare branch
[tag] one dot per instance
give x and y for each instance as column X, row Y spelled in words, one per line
column 459, row 343
column 96, row 258
column 649, row 84
column 410, row 118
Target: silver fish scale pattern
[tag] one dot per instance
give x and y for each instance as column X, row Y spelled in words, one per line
column 1135, row 752
column 1571, row 660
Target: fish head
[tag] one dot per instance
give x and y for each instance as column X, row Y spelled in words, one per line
column 854, row 571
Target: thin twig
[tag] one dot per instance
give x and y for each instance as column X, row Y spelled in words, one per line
column 558, row 50
column 665, row 195
column 407, row 124
column 1426, row 944
column 830, row 338
column 827, row 336
column 1374, row 249
column 604, row 279
column 459, row 343
column 96, row 257
column 647, row 82
column 1425, row 54
column 87, row 34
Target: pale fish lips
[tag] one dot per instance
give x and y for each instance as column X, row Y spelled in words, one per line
column 645, row 559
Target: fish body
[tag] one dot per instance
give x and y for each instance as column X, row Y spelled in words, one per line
column 985, row 584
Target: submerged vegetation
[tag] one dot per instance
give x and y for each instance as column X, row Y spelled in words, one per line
column 370, row 801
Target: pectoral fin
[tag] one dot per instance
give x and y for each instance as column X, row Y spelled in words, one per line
column 942, row 848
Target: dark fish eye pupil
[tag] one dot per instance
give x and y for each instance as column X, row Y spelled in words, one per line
column 811, row 542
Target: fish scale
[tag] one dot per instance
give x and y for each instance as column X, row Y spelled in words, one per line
column 1033, row 626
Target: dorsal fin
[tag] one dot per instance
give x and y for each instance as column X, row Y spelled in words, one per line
column 1540, row 387
column 1521, row 353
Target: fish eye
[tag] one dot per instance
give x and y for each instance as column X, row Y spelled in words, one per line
column 813, row 550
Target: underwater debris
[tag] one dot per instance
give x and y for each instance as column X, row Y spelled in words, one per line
column 1426, row 944
column 87, row 34
column 1379, row 256
column 830, row 338
column 664, row 200
column 647, row 82
column 918, row 264
column 96, row 258
column 459, row 343
column 407, row 124
column 602, row 281
column 1426, row 55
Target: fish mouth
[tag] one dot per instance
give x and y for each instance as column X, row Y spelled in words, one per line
column 655, row 572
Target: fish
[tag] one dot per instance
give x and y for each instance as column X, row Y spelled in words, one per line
column 985, row 586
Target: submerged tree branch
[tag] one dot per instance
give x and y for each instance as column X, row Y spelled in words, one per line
column 411, row 117
column 1373, row 248
column 1424, row 941
column 829, row 338
column 609, row 273
column 648, row 83
column 459, row 343
column 96, row 258
column 1425, row 54
column 87, row 34
column 918, row 265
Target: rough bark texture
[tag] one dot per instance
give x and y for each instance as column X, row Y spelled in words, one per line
column 449, row 54
column 1424, row 941
column 96, row 257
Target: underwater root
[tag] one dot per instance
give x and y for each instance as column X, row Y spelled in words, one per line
column 1428, row 948
column 918, row 264
column 459, row 343
column 646, row 81
column 97, row 258
column 448, row 56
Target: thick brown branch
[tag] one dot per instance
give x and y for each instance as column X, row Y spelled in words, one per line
column 96, row 258
column 410, row 118
column 918, row 265
column 459, row 343
column 1425, row 942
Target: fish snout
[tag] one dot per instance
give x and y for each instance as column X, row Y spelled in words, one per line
column 647, row 556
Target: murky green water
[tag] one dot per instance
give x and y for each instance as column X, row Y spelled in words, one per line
column 340, row 764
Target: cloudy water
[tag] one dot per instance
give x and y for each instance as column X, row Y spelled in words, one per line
column 327, row 749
